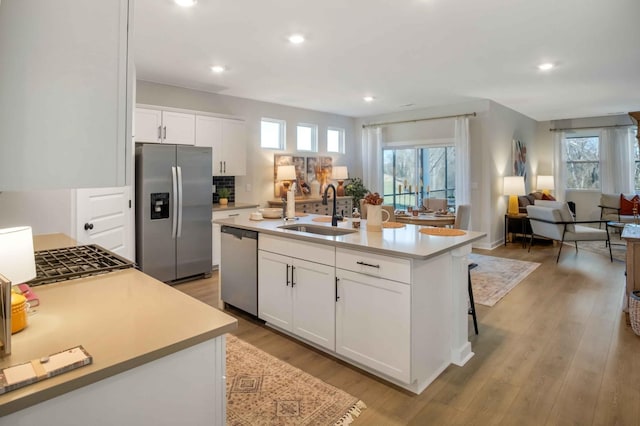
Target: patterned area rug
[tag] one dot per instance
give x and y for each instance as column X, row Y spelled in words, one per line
column 262, row 390
column 494, row 277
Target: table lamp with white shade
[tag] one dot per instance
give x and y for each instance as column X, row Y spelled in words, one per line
column 286, row 175
column 513, row 186
column 17, row 265
column 545, row 183
column 340, row 173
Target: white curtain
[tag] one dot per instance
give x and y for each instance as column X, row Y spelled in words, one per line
column 559, row 157
column 372, row 159
column 463, row 179
column 616, row 160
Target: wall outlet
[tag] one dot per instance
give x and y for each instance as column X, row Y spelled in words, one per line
column 247, row 187
column 213, row 189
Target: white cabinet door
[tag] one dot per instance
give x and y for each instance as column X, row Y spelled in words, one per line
column 65, row 85
column 148, row 124
column 209, row 133
column 373, row 323
column 178, row 128
column 274, row 289
column 314, row 302
column 103, row 217
column 234, row 148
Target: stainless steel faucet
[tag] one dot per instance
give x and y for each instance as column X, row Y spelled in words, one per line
column 334, row 216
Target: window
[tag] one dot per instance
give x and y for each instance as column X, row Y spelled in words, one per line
column 272, row 133
column 335, row 140
column 582, row 162
column 412, row 174
column 307, row 137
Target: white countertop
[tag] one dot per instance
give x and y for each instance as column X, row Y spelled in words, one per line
column 232, row 206
column 404, row 242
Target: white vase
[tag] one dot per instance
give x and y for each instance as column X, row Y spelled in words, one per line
column 374, row 217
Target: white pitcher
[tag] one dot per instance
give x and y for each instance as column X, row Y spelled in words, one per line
column 374, row 217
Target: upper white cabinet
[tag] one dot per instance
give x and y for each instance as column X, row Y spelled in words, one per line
column 65, row 86
column 227, row 138
column 165, row 126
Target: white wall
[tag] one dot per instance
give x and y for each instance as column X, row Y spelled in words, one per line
column 259, row 161
column 47, row 212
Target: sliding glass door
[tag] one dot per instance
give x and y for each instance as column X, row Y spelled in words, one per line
column 412, row 174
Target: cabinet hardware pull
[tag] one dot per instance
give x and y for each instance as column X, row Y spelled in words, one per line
column 367, row 264
column 337, row 297
column 159, row 133
column 220, row 166
column 225, row 166
column 234, row 214
column 88, row 226
column 293, row 283
column 165, row 132
column 288, row 275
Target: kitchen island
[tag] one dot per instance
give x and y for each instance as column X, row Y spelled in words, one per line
column 158, row 354
column 393, row 303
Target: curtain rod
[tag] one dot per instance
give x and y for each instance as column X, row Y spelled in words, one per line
column 591, row 127
column 471, row 114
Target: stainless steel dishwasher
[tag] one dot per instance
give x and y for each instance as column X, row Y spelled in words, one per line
column 239, row 268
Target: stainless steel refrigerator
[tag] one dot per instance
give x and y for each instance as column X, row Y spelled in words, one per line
column 173, row 211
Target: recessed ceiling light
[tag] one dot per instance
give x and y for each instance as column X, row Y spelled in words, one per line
column 545, row 67
column 186, row 3
column 218, row 69
column 368, row 98
column 296, row 38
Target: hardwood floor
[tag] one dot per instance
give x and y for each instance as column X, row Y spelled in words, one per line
column 555, row 351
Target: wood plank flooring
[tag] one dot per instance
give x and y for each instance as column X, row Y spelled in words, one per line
column 555, row 351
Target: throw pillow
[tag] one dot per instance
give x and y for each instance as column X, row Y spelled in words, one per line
column 626, row 205
column 548, row 197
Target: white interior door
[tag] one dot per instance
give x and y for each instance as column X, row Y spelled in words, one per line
column 103, row 217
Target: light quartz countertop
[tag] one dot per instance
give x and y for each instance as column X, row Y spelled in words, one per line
column 403, row 242
column 232, row 206
column 124, row 319
column 631, row 231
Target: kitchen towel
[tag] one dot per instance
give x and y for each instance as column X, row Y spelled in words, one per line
column 291, row 204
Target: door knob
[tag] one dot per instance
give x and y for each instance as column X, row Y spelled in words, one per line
column 88, row 226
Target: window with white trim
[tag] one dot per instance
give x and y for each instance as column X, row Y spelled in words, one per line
column 582, row 162
column 307, row 139
column 272, row 133
column 335, row 140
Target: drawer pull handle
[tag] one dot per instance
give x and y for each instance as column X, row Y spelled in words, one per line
column 367, row 264
column 234, row 214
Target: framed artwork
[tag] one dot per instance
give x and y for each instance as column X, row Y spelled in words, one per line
column 519, row 159
column 319, row 169
column 289, row 160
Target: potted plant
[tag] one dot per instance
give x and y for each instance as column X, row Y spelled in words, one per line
column 223, row 194
column 356, row 190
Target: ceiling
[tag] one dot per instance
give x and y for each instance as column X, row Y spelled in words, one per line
column 408, row 54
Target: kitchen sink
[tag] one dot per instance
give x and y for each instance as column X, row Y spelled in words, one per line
column 316, row 229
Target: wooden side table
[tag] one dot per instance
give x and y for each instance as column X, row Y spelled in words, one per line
column 516, row 224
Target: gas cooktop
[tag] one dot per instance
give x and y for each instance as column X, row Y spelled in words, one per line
column 75, row 262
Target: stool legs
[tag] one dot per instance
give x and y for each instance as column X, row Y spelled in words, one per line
column 472, row 309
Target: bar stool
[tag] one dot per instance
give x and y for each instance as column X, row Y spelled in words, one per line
column 472, row 305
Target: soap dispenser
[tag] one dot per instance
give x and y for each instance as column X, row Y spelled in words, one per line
column 355, row 218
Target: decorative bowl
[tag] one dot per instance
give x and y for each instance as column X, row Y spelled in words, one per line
column 271, row 212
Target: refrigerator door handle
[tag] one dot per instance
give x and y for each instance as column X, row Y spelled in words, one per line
column 179, row 201
column 174, row 184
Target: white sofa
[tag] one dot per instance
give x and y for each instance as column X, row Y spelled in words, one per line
column 610, row 208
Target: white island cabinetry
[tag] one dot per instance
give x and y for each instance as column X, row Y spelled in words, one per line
column 373, row 313
column 296, row 295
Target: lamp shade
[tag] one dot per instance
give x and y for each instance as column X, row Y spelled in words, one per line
column 513, row 185
column 340, row 173
column 17, row 261
column 545, row 182
column 286, row 173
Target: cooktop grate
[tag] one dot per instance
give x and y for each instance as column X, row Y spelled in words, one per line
column 75, row 262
